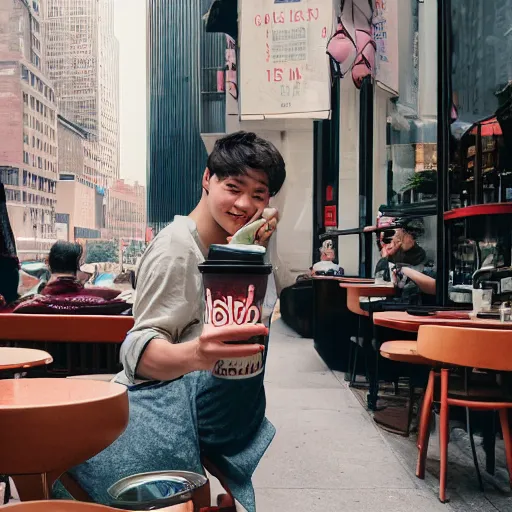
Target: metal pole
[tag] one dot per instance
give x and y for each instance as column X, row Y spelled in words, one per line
column 444, row 101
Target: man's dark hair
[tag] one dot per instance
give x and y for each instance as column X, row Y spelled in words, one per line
column 239, row 152
column 65, row 257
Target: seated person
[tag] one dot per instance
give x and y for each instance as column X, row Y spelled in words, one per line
column 179, row 412
column 64, row 263
column 405, row 263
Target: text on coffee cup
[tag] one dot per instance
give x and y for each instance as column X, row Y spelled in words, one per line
column 227, row 310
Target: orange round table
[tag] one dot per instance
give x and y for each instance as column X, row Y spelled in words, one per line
column 77, row 506
column 402, row 321
column 50, row 425
column 12, row 358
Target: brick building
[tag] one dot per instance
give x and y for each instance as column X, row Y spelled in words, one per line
column 28, row 128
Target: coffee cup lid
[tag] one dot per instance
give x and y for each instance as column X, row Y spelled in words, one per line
column 247, row 254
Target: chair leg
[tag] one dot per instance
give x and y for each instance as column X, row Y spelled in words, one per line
column 411, row 407
column 473, row 449
column 505, row 427
column 489, row 444
column 354, row 367
column 443, row 435
column 348, row 374
column 355, row 352
column 424, row 431
column 373, row 396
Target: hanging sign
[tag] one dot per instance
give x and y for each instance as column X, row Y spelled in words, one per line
column 385, row 35
column 284, row 68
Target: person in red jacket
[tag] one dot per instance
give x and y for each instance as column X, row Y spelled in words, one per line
column 64, row 262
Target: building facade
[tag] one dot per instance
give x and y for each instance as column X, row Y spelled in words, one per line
column 28, row 128
column 82, row 59
column 80, row 202
column 182, row 100
column 79, row 209
column 125, row 217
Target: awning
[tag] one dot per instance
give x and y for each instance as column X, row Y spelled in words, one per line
column 489, row 128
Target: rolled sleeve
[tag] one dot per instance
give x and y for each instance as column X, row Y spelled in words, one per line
column 132, row 350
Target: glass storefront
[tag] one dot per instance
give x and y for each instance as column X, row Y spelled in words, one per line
column 411, row 118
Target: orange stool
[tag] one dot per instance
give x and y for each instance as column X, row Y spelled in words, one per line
column 403, row 351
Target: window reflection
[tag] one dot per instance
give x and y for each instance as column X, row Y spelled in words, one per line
column 411, row 120
column 480, row 166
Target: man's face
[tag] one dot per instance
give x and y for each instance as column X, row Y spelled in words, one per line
column 234, row 201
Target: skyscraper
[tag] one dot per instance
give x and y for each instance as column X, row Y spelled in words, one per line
column 182, row 99
column 28, row 128
column 82, row 59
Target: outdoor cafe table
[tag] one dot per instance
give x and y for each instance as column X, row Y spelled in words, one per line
column 50, row 425
column 403, row 321
column 77, row 506
column 64, row 328
column 12, row 358
column 74, row 332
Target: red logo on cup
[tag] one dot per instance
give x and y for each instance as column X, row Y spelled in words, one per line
column 227, row 310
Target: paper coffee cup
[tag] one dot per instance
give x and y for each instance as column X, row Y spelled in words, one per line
column 234, row 294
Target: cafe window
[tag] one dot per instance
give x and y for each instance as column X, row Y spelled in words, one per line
column 481, row 116
column 405, row 134
column 411, row 116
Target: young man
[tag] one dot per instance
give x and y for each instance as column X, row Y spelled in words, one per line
column 179, row 412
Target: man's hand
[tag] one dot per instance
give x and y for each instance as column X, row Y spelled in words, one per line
column 271, row 215
column 166, row 361
column 213, row 344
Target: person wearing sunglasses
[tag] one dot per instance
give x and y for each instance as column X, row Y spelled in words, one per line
column 404, row 262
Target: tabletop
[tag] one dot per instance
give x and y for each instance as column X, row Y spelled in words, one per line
column 343, row 279
column 77, row 506
column 73, row 419
column 370, row 289
column 43, row 393
column 402, row 321
column 64, row 328
column 12, row 358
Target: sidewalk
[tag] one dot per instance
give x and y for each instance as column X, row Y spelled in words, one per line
column 328, row 455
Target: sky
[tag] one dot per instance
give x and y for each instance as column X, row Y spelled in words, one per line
column 130, row 30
